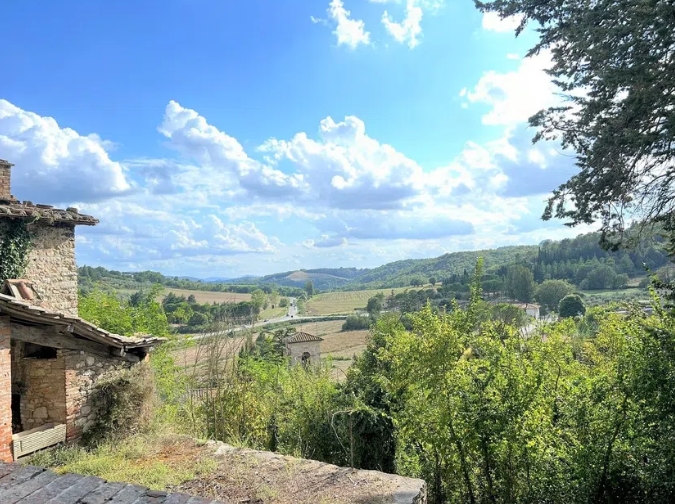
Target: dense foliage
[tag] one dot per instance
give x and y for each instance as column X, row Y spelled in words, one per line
column 613, row 60
column 90, row 278
column 582, row 411
column 15, row 243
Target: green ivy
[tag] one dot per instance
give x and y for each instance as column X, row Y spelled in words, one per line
column 15, row 244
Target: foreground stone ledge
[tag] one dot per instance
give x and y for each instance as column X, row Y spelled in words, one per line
column 340, row 484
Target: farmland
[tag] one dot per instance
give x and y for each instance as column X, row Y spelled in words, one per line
column 344, row 303
column 341, row 345
column 209, row 297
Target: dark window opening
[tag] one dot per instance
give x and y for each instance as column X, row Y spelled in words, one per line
column 33, row 351
column 305, row 358
column 16, row 413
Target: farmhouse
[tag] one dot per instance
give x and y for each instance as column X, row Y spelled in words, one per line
column 303, row 348
column 50, row 359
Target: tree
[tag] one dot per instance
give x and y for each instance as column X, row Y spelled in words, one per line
column 309, row 288
column 374, row 306
column 520, row 283
column 258, row 299
column 283, row 302
column 613, row 59
column 198, row 319
column 508, row 314
column 416, row 282
column 432, row 281
column 571, row 306
column 550, row 292
column 273, row 297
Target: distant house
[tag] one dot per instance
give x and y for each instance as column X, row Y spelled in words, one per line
column 531, row 309
column 303, row 348
column 50, row 359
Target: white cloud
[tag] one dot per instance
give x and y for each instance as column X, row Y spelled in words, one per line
column 515, row 96
column 342, row 195
column 57, row 164
column 409, row 30
column 349, row 32
column 493, row 22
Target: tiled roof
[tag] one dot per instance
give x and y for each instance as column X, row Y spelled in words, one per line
column 15, row 209
column 27, row 312
column 302, row 337
column 34, row 484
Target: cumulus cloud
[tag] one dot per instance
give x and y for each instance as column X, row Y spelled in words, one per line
column 348, row 31
column 394, row 225
column 408, row 30
column 515, row 96
column 493, row 22
column 325, row 241
column 55, row 164
column 339, row 192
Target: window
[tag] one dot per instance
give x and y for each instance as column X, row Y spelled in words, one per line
column 33, row 351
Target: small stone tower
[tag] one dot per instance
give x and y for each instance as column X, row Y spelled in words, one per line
column 51, row 268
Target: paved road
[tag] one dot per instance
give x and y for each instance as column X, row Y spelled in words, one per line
column 291, row 314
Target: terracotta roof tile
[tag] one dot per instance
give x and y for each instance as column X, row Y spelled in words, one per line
column 14, row 209
column 302, row 337
column 23, row 310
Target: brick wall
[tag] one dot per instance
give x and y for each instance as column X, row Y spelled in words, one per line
column 41, row 383
column 51, row 266
column 5, row 172
column 82, row 370
column 5, row 391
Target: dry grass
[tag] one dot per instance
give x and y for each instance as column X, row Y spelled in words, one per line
column 262, row 477
column 339, row 303
column 157, row 462
column 340, row 345
column 208, row 297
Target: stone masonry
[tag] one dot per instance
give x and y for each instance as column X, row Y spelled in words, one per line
column 40, row 382
column 313, row 348
column 82, row 371
column 5, row 179
column 51, row 266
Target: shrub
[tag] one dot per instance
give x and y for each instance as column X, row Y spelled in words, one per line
column 124, row 402
column 571, row 306
column 356, row 323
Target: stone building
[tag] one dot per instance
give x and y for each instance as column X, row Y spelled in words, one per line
column 303, row 348
column 50, row 359
column 532, row 309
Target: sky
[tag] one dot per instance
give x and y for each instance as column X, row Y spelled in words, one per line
column 219, row 139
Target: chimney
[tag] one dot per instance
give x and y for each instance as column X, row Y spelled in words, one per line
column 5, row 178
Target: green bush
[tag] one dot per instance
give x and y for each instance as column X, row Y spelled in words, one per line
column 124, row 401
column 356, row 323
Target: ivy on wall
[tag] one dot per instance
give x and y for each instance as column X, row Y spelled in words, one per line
column 15, row 244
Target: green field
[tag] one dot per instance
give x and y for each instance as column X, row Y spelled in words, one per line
column 594, row 297
column 340, row 303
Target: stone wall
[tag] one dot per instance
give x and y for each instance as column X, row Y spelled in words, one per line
column 41, row 383
column 51, row 266
column 82, row 370
column 297, row 349
column 5, row 172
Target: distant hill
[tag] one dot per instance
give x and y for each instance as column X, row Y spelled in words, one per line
column 400, row 273
column 570, row 259
column 322, row 278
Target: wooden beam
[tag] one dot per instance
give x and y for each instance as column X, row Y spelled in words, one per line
column 51, row 337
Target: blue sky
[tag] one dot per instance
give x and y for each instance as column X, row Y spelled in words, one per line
column 220, row 138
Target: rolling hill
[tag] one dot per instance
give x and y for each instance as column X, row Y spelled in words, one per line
column 551, row 259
